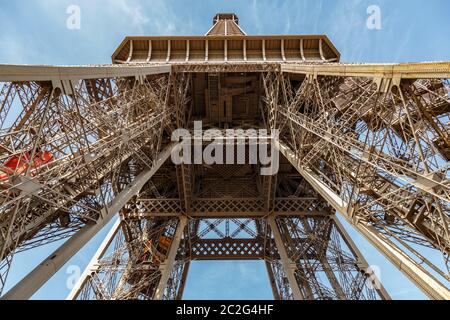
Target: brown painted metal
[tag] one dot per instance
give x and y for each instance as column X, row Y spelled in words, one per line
column 369, row 141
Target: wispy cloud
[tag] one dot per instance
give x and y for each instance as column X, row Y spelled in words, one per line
column 41, row 36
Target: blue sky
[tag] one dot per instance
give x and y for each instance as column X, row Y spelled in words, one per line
column 34, row 32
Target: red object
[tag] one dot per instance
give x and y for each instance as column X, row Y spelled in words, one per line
column 20, row 164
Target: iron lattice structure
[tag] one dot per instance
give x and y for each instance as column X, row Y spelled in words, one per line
column 81, row 145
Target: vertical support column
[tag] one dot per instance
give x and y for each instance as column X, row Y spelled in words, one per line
column 302, row 50
column 94, row 263
column 130, row 54
column 150, row 49
column 7, row 95
column 167, row 266
column 362, row 262
column 183, row 281
column 225, row 50
column 288, row 266
column 5, row 266
column 245, row 50
column 273, row 284
column 188, row 50
column 169, row 50
column 264, row 50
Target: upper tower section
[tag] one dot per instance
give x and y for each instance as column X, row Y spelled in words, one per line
column 227, row 43
column 226, row 24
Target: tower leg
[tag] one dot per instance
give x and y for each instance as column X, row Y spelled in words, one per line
column 362, row 262
column 321, row 260
column 272, row 280
column 167, row 267
column 182, row 286
column 94, row 263
column 406, row 263
column 26, row 288
column 288, row 266
column 132, row 262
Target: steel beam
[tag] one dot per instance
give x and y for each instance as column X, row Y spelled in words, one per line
column 288, row 265
column 273, row 283
column 15, row 73
column 424, row 280
column 362, row 262
column 167, row 266
column 27, row 287
column 422, row 70
column 183, row 281
column 94, row 263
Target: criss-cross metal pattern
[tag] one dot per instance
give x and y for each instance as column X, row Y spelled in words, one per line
column 370, row 144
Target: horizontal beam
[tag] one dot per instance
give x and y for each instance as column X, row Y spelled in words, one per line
column 422, row 70
column 289, row 266
column 217, row 67
column 200, row 48
column 228, row 215
column 15, row 73
column 227, row 249
column 228, row 208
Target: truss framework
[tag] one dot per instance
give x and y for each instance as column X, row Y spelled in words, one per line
column 371, row 141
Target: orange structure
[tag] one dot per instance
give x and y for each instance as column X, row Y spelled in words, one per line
column 19, row 164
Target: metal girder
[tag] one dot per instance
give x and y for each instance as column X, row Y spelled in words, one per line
column 41, row 274
column 98, row 160
column 431, row 286
column 224, row 207
column 132, row 263
column 61, row 75
column 167, row 266
column 273, row 284
column 423, row 70
column 323, row 261
column 426, row 70
column 95, row 261
column 289, row 266
column 362, row 262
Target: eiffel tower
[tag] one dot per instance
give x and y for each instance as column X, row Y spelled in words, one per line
column 83, row 146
